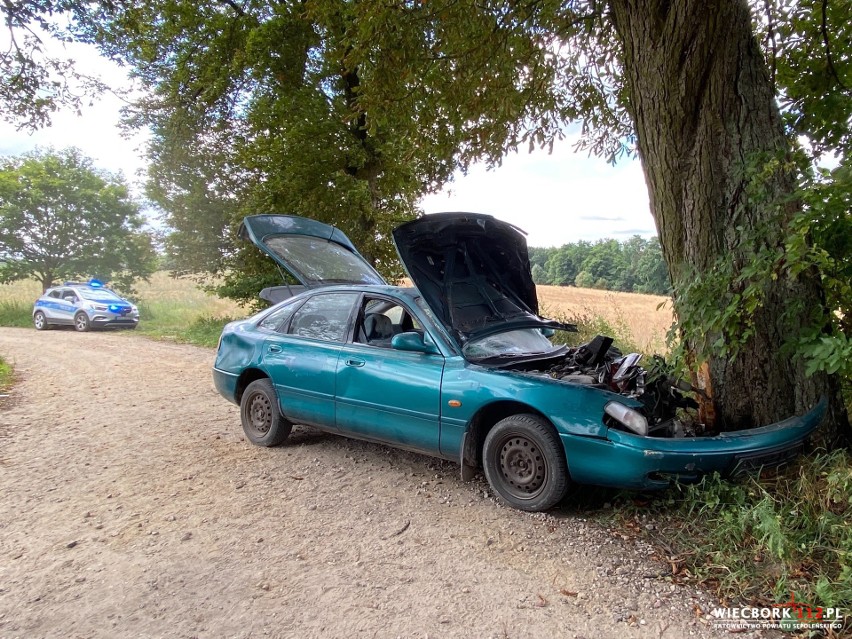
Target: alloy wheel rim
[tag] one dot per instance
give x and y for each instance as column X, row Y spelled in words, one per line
column 39, row 320
column 82, row 322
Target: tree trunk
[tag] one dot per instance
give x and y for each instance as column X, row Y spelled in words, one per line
column 703, row 107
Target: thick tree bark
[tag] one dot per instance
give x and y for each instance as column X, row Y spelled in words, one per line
column 703, row 106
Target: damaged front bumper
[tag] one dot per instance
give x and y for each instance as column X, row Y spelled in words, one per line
column 650, row 463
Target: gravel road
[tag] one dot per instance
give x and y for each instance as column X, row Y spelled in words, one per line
column 132, row 506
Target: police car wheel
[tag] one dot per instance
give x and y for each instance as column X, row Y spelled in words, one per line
column 81, row 322
column 40, row 321
column 263, row 423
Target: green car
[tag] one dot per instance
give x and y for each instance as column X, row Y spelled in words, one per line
column 462, row 367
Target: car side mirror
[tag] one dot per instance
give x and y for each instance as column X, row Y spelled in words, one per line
column 548, row 332
column 68, row 298
column 415, row 342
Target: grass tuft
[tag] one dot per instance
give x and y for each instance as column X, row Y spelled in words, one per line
column 7, row 375
column 16, row 313
column 201, row 331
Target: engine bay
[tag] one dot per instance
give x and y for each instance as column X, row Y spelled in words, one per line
column 665, row 398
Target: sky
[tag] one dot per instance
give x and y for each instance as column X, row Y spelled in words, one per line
column 555, row 198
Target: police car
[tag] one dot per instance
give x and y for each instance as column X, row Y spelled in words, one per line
column 83, row 306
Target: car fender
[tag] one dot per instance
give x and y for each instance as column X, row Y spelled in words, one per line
column 470, row 391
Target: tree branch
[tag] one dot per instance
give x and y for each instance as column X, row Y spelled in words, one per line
column 826, row 43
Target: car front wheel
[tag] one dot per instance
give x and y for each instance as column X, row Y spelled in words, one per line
column 81, row 322
column 40, row 321
column 263, row 422
column 525, row 464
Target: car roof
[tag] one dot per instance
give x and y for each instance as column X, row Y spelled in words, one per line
column 381, row 289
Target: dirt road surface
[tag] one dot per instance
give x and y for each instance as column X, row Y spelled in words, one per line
column 133, row 507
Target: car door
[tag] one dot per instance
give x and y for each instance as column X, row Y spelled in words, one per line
column 51, row 305
column 385, row 394
column 301, row 357
column 67, row 306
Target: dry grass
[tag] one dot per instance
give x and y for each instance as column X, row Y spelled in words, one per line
column 24, row 291
column 163, row 289
column 638, row 314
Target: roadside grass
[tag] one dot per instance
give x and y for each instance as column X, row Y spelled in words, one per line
column 7, row 375
column 15, row 313
column 176, row 309
column 758, row 540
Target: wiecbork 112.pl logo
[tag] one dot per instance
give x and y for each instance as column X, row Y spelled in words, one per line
column 788, row 615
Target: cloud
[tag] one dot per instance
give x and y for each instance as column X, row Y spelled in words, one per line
column 556, row 198
column 601, row 218
column 96, row 132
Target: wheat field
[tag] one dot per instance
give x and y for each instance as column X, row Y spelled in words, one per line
column 634, row 316
column 643, row 319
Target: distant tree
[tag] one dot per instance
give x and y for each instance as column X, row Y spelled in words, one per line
column 60, row 217
column 539, row 275
column 539, row 255
column 564, row 264
column 585, row 279
column 652, row 276
column 605, row 261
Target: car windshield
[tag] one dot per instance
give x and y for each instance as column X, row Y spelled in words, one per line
column 102, row 294
column 519, row 342
column 314, row 260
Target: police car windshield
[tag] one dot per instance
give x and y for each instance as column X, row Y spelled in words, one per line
column 97, row 294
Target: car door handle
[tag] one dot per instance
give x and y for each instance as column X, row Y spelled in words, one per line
column 355, row 362
column 274, row 348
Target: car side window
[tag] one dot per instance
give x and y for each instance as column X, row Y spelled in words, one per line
column 55, row 294
column 277, row 318
column 381, row 319
column 324, row 316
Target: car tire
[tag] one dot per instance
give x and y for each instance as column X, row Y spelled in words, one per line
column 82, row 323
column 262, row 420
column 524, row 463
column 40, row 321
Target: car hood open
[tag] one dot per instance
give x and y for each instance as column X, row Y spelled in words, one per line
column 473, row 271
column 314, row 253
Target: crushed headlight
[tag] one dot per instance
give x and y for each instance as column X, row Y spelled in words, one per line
column 632, row 419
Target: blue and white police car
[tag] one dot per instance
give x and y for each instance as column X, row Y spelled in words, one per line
column 83, row 306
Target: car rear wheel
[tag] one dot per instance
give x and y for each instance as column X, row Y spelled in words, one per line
column 81, row 322
column 525, row 464
column 40, row 321
column 263, row 422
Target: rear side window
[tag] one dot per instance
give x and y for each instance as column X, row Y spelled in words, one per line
column 324, row 317
column 277, row 318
